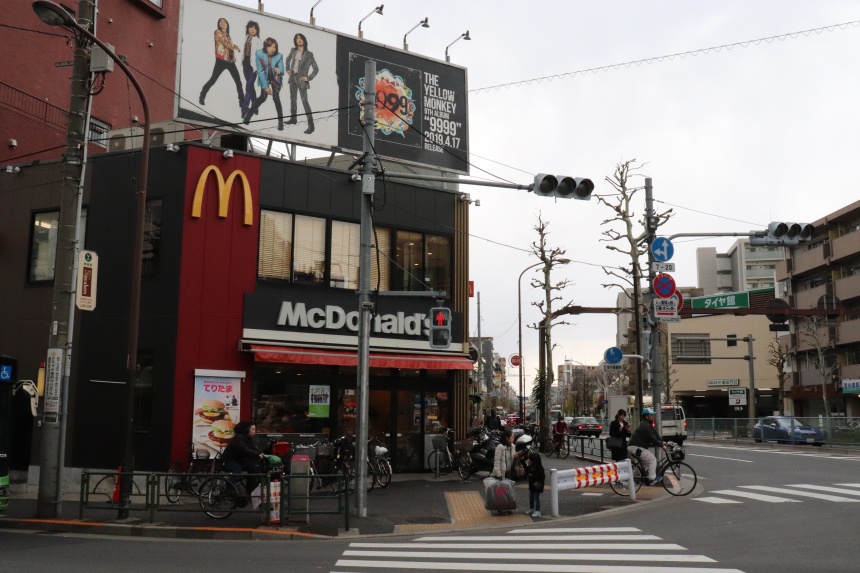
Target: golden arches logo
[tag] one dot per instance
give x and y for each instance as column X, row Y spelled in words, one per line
column 224, row 188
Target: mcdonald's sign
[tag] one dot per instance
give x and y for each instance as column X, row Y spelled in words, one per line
column 224, row 189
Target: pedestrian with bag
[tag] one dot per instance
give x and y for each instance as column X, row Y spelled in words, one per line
column 500, row 488
column 619, row 431
column 537, row 479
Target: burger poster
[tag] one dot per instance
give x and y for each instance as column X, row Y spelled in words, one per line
column 216, row 410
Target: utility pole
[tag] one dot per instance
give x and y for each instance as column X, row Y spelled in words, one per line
column 750, row 360
column 654, row 338
column 59, row 340
column 365, row 304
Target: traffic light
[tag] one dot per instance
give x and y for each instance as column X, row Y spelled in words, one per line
column 563, row 186
column 440, row 327
column 782, row 234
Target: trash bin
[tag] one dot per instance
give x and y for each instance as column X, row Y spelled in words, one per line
column 300, row 465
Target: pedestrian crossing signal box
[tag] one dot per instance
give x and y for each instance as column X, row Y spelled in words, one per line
column 440, row 327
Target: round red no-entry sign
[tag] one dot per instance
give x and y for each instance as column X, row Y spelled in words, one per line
column 515, row 360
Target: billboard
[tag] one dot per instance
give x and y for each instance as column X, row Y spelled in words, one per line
column 257, row 74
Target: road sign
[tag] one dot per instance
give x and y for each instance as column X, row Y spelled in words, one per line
column 663, row 267
column 662, row 249
column 88, row 273
column 664, row 285
column 674, row 318
column 613, row 355
column 665, row 306
column 737, row 396
column 612, row 367
column 515, row 360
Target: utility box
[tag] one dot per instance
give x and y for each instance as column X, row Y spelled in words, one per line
column 300, row 487
column 100, row 61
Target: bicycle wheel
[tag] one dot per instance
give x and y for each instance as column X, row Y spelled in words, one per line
column 383, row 472
column 218, row 497
column 440, row 457
column 370, row 480
column 679, row 478
column 464, row 465
column 173, row 484
column 197, row 475
column 621, row 487
column 563, row 450
column 548, row 448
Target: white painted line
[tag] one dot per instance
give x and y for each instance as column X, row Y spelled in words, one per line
column 801, row 493
column 523, row 567
column 524, row 546
column 719, row 458
column 578, row 530
column 547, row 538
column 825, row 488
column 592, row 494
column 532, row 556
column 849, row 484
column 756, row 496
column 715, row 500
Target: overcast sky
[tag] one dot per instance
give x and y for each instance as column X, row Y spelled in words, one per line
column 733, row 139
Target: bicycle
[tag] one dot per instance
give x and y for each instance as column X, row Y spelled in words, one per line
column 679, row 478
column 377, row 452
column 560, row 448
column 189, row 481
column 220, row 495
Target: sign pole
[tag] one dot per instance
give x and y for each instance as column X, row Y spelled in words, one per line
column 365, row 304
column 750, row 360
column 654, row 338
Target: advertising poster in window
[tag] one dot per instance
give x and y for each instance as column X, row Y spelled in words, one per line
column 254, row 73
column 216, row 411
column 319, row 401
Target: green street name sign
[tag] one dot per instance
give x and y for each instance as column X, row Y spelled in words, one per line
column 728, row 300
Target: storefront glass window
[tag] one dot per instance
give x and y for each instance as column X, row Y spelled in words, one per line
column 437, row 263
column 151, row 239
column 344, row 255
column 43, row 248
column 408, row 273
column 309, row 257
column 276, row 245
column 283, row 402
column 380, row 260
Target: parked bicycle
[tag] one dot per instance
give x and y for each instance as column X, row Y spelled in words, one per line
column 179, row 481
column 445, row 457
column 679, row 478
column 220, row 495
column 381, row 465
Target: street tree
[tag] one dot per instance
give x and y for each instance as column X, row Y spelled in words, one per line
column 551, row 257
column 629, row 236
column 778, row 355
column 813, row 331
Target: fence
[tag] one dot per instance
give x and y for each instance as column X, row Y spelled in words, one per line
column 578, row 478
column 149, row 495
column 834, row 431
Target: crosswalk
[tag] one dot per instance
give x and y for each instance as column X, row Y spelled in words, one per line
column 547, row 550
column 836, row 493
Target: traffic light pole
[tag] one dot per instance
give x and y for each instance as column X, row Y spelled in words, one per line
column 365, row 304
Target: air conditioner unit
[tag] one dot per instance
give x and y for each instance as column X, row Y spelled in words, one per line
column 156, row 136
column 116, row 142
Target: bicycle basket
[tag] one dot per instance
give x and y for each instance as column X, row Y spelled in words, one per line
column 201, row 455
column 465, row 446
column 677, row 454
column 440, row 442
column 323, row 450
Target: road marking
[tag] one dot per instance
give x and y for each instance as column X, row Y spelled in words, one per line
column 825, row 488
column 756, row 496
column 547, row 538
column 801, row 493
column 529, row 545
column 525, row 567
column 719, row 458
column 578, row 530
column 716, row 500
column 849, row 484
column 532, row 556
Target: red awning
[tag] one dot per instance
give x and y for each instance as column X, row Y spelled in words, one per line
column 293, row 355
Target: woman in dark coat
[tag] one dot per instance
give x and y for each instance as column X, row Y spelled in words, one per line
column 620, row 428
column 240, row 455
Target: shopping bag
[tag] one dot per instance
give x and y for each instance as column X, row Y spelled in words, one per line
column 499, row 494
column 256, row 496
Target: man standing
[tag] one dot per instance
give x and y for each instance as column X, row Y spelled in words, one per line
column 645, row 437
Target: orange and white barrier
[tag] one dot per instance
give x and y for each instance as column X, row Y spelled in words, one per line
column 578, row 478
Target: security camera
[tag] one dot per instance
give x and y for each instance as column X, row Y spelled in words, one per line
column 228, row 153
column 13, row 143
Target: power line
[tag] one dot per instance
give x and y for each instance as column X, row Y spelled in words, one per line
column 670, row 57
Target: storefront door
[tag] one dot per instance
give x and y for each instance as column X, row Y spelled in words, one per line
column 408, row 449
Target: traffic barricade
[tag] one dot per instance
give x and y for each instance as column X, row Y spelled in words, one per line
column 578, row 478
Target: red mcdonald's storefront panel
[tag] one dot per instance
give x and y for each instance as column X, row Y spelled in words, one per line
column 218, row 266
column 292, row 355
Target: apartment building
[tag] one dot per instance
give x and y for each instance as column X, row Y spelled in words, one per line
column 742, row 268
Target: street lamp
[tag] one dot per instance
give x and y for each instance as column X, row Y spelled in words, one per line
column 313, row 20
column 423, row 23
column 464, row 36
column 54, row 15
column 520, row 325
column 377, row 10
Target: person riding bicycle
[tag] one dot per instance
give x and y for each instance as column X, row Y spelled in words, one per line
column 240, row 455
column 560, row 430
column 645, row 437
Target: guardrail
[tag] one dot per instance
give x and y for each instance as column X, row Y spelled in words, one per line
column 149, row 495
column 579, row 478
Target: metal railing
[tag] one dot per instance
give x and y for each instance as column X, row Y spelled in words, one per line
column 830, row 432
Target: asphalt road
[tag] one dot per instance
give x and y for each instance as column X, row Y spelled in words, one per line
column 750, row 514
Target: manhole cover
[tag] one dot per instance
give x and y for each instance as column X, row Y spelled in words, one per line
column 427, row 520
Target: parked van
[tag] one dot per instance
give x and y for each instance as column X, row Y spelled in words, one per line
column 673, row 424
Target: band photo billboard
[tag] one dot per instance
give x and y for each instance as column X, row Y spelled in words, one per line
column 253, row 73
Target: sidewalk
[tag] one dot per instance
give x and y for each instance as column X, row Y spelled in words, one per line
column 413, row 503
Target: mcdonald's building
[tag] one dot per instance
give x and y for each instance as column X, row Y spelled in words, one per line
column 248, row 307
